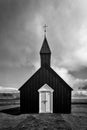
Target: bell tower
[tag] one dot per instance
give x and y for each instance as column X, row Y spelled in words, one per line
column 45, row 52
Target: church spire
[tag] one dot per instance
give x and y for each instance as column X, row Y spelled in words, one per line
column 45, row 52
column 45, row 49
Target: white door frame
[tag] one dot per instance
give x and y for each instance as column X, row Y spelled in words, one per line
column 46, row 90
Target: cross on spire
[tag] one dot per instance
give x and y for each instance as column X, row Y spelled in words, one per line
column 45, row 26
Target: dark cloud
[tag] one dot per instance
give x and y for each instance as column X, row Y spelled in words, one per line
column 81, row 74
column 14, row 38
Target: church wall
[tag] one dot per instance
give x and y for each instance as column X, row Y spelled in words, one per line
column 30, row 96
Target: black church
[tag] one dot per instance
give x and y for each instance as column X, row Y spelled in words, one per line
column 45, row 91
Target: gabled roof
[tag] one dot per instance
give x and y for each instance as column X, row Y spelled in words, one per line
column 55, row 74
column 45, row 49
column 50, row 70
column 46, row 88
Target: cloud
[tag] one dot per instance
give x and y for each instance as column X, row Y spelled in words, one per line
column 79, row 94
column 74, row 83
column 79, row 83
column 77, row 58
column 7, row 90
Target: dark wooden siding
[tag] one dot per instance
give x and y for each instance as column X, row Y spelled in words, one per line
column 29, row 96
column 45, row 59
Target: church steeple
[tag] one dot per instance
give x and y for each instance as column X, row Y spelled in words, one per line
column 45, row 53
column 45, row 49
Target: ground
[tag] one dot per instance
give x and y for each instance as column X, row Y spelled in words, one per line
column 34, row 122
column 11, row 119
column 77, row 120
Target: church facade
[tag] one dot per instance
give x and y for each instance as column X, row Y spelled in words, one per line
column 45, row 91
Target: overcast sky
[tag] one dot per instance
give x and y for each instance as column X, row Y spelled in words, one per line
column 21, row 37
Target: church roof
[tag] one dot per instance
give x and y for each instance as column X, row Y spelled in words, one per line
column 45, row 49
column 50, row 70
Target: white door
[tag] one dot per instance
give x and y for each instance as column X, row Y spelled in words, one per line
column 45, row 99
column 48, row 103
column 45, row 102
